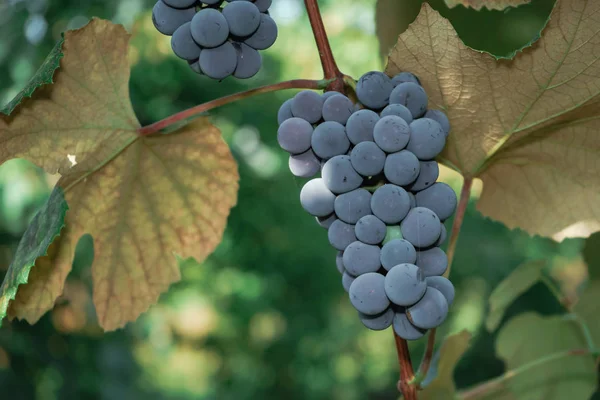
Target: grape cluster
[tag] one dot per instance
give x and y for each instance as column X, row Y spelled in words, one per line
column 377, row 195
column 216, row 40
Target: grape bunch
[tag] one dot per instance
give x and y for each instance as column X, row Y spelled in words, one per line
column 216, row 40
column 377, row 195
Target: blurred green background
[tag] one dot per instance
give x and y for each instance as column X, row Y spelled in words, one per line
column 265, row 317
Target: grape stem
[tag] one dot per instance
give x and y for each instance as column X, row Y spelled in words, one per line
column 463, row 202
column 198, row 110
column 330, row 68
column 406, row 370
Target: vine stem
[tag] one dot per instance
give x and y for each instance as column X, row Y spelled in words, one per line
column 406, row 370
column 463, row 202
column 497, row 383
column 202, row 108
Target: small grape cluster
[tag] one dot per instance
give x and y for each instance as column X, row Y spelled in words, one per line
column 215, row 40
column 377, row 195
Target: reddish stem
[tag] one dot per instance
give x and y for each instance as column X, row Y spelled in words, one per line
column 202, row 108
column 406, row 370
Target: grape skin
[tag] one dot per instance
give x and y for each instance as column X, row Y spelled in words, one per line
column 180, row 3
column 367, row 294
column 430, row 311
column 413, row 200
column 405, row 77
column 391, row 133
column 440, row 118
column 304, row 165
column 340, row 234
column 373, row 89
column 390, row 203
column 249, row 61
column 308, row 105
column 405, row 329
column 370, row 229
column 412, row 96
column 329, row 139
column 428, row 174
column 265, row 35
column 402, row 168
column 398, row 110
column 443, row 285
column 405, row 284
column 367, row 159
column 432, row 261
column 167, row 19
column 339, row 262
column 294, row 135
column 443, row 236
column 316, row 199
column 220, row 62
column 285, row 111
column 340, row 176
column 421, row 227
column 337, row 108
column 195, row 66
column 209, row 28
column 263, row 5
column 347, row 280
column 352, row 206
column 325, row 222
column 427, row 138
column 377, row 322
column 183, row 44
column 360, row 125
column 243, row 18
column 360, row 258
column 440, row 198
column 397, row 251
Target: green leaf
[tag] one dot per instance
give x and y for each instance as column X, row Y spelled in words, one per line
column 591, row 256
column 35, row 243
column 452, row 350
column 518, row 282
column 489, row 4
column 587, row 309
column 557, row 374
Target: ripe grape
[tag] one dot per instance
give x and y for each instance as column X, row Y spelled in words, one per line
column 373, row 89
column 443, row 285
column 347, row 280
column 316, row 199
column 412, row 96
column 337, row 108
column 405, row 329
column 428, row 174
column 209, row 28
column 340, row 176
column 325, row 222
column 339, row 262
column 308, row 105
column 285, row 111
column 391, row 133
column 367, row 158
column 249, row 61
column 341, row 234
column 265, row 35
column 397, row 251
column 329, row 139
column 390, row 203
column 405, row 284
column 370, row 229
column 183, row 44
column 405, row 77
column 180, row 3
column 294, row 135
column 167, row 19
column 360, row 258
column 367, row 294
column 421, row 227
column 440, row 198
column 427, row 138
column 399, row 111
column 220, row 62
column 402, row 168
column 377, row 322
column 360, row 125
column 430, row 311
column 352, row 206
column 441, row 118
column 243, row 18
column 304, row 165
column 432, row 261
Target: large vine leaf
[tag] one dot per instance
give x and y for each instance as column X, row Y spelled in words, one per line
column 489, row 4
column 529, row 337
column 528, row 126
column 37, row 246
column 142, row 198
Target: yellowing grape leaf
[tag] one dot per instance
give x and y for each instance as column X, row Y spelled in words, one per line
column 489, row 4
column 528, row 127
column 452, row 350
column 142, row 198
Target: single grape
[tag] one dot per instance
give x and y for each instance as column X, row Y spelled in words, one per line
column 391, row 133
column 421, row 227
column 340, row 234
column 180, row 3
column 367, row 294
column 243, row 18
column 327, row 95
column 412, row 96
column 390, row 203
column 401, row 168
column 337, row 108
column 377, row 322
column 195, row 66
column 249, row 61
column 294, row 135
column 440, row 198
column 428, row 174
column 339, row 262
column 405, row 77
column 265, row 35
column 433, row 262
column 370, row 229
column 397, row 251
column 405, row 284
column 373, row 89
column 352, row 206
column 427, row 138
column 183, row 44
column 285, row 111
column 347, row 280
column 405, row 329
column 360, row 125
column 413, row 200
column 443, row 236
column 440, row 118
column 443, row 285
column 325, row 222
column 220, row 62
column 430, row 311
column 167, row 19
column 360, row 258
column 340, row 176
column 399, row 111
column 308, row 105
column 209, row 28
column 304, row 165
column 316, row 199
column 263, row 5
column 367, row 159
column 329, row 140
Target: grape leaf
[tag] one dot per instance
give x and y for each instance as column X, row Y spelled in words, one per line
column 37, row 245
column 591, row 255
column 587, row 309
column 144, row 199
column 529, row 337
column 526, row 126
column 518, row 282
column 442, row 386
column 489, row 4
